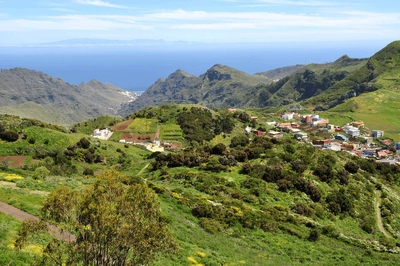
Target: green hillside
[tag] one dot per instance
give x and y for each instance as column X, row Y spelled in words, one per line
column 228, row 198
column 380, row 72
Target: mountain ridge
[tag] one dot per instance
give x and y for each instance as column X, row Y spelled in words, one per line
column 22, row 89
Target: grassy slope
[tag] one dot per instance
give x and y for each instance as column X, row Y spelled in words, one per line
column 379, row 110
column 236, row 245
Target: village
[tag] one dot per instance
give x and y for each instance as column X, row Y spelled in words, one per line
column 353, row 137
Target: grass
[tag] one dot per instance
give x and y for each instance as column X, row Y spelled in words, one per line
column 22, row 199
column 8, row 232
column 379, row 110
column 38, row 137
column 144, row 126
column 255, row 247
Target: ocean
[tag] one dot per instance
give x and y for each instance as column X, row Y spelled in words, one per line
column 135, row 68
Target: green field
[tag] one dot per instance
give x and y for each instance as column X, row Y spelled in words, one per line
column 144, row 126
column 380, row 110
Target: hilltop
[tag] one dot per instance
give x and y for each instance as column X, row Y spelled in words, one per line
column 221, row 86
column 33, row 94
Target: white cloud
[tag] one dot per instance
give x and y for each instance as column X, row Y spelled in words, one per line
column 297, row 3
column 283, row 2
column 250, row 26
column 98, row 3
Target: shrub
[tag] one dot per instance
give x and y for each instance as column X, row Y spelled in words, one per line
column 307, row 187
column 218, row 149
column 284, row 185
column 339, row 202
column 343, row 177
column 241, row 140
column 314, row 235
column 299, row 166
column 302, row 209
column 41, row 172
column 88, row 172
column 210, row 225
column 324, row 172
column 9, row 135
column 351, row 167
column 83, row 143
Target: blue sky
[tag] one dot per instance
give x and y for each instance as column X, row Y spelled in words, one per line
column 210, row 21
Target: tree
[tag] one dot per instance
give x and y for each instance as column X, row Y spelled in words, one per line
column 41, row 172
column 219, row 149
column 114, row 224
column 9, row 135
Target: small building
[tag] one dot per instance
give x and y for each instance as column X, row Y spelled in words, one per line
column 301, row 135
column 369, row 152
column 275, row 134
column 272, row 123
column 377, row 133
column 323, row 142
column 397, row 146
column 330, row 127
column 334, row 146
column 341, row 137
column 102, row 134
column 359, row 124
column 283, row 126
column 288, row 116
column 248, row 129
column 367, row 140
column 352, row 131
column 260, row 133
column 294, row 130
column 383, row 154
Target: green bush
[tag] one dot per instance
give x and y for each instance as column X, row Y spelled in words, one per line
column 210, row 225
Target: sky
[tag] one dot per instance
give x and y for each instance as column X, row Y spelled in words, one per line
column 205, row 21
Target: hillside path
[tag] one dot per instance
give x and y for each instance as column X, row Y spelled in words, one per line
column 157, row 137
column 24, row 216
column 144, row 168
column 378, row 214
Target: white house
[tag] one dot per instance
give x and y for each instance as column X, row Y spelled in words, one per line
column 352, row 131
column 288, row 116
column 335, row 146
column 102, row 134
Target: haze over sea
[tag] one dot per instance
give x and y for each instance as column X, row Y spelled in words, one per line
column 137, row 67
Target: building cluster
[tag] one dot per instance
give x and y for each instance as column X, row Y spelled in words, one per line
column 352, row 137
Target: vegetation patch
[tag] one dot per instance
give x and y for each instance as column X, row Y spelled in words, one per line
column 144, row 126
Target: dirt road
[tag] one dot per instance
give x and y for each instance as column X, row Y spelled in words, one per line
column 378, row 214
column 24, row 216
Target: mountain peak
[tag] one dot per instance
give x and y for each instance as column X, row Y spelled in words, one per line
column 218, row 72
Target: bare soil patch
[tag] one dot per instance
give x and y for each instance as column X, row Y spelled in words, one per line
column 138, row 138
column 122, row 126
column 13, row 161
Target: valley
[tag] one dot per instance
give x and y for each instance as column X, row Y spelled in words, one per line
column 297, row 166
